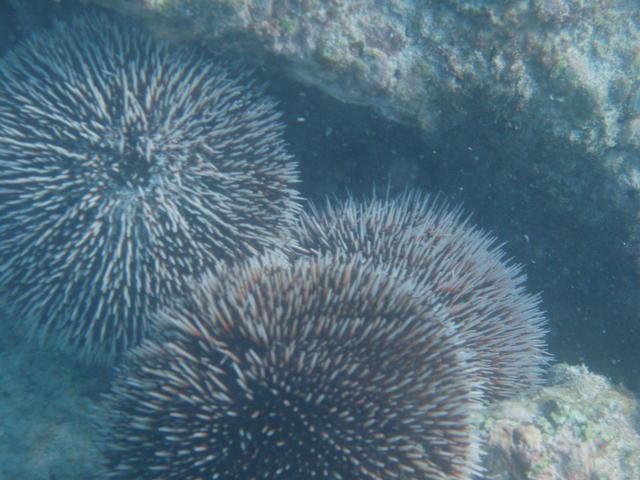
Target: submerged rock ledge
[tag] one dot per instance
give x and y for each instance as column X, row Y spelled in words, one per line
column 561, row 70
column 579, row 426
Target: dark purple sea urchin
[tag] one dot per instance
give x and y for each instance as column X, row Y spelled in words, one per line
column 455, row 265
column 325, row 369
column 128, row 165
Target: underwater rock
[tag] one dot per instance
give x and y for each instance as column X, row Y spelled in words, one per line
column 570, row 63
column 44, row 403
column 580, row 426
column 561, row 70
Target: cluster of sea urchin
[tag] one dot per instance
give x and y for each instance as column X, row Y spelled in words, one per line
column 366, row 358
column 131, row 171
column 128, row 165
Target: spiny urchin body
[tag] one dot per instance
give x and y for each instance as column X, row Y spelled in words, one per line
column 128, row 165
column 456, row 265
column 325, row 369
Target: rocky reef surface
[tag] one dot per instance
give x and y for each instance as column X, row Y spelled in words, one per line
column 555, row 71
column 579, row 426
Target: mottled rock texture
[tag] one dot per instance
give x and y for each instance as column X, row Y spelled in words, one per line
column 579, row 427
column 562, row 69
column 570, row 63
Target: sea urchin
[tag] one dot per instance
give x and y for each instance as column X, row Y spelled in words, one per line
column 128, row 165
column 454, row 264
column 325, row 369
